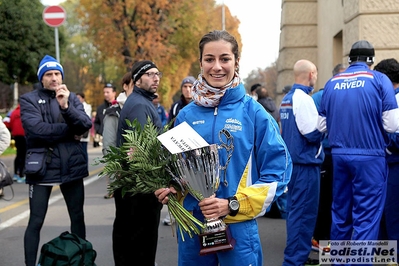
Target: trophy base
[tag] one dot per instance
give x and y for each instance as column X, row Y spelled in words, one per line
column 216, row 241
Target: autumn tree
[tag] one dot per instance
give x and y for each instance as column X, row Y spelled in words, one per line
column 166, row 32
column 24, row 40
column 267, row 77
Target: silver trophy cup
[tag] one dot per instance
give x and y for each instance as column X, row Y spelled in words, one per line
column 199, row 170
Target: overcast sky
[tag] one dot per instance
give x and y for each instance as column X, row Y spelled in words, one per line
column 259, row 29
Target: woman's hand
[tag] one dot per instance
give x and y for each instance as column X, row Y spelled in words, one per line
column 213, row 207
column 162, row 194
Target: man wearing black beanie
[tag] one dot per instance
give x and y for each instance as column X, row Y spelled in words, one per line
column 358, row 109
column 135, row 232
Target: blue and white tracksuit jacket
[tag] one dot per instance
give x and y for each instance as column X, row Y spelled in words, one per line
column 299, row 116
column 358, row 107
column 257, row 173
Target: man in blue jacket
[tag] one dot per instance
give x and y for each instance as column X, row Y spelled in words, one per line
column 54, row 121
column 358, row 107
column 298, row 116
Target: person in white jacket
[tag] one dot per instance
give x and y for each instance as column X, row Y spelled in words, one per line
column 111, row 118
column 5, row 139
column 86, row 138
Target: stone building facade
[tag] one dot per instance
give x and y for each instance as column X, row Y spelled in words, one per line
column 323, row 32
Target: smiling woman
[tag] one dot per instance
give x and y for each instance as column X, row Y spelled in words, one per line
column 220, row 112
column 219, row 62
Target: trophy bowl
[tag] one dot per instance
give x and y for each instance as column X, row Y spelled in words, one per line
column 199, row 169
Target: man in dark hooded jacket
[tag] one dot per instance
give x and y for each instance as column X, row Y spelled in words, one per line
column 267, row 102
column 185, row 97
column 54, row 121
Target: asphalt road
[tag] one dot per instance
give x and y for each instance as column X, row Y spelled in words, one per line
column 99, row 217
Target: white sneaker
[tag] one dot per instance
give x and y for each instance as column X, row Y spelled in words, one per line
column 167, row 220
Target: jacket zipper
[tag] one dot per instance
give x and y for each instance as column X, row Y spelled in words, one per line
column 215, row 113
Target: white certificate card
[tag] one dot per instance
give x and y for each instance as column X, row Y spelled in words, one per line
column 182, row 138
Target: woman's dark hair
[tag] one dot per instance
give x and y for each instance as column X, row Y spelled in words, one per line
column 81, row 94
column 126, row 79
column 217, row 35
column 389, row 67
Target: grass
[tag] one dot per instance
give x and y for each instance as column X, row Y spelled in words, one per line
column 9, row 151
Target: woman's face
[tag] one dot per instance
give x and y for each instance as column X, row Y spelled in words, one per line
column 218, row 63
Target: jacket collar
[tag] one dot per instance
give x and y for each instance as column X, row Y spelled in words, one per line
column 149, row 95
column 233, row 95
column 358, row 64
column 47, row 92
column 306, row 89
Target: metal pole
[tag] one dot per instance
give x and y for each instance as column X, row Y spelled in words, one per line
column 57, row 48
column 15, row 93
column 223, row 18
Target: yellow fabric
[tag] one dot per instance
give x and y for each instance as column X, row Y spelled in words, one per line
column 254, row 199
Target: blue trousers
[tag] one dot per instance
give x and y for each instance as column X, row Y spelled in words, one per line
column 359, row 191
column 302, row 206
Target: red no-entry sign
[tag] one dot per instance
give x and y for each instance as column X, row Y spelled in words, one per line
column 54, row 16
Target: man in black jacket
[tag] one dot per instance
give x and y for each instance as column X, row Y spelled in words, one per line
column 54, row 121
column 267, row 102
column 185, row 98
column 135, row 232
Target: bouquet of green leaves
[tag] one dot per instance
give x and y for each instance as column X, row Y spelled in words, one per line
column 143, row 165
